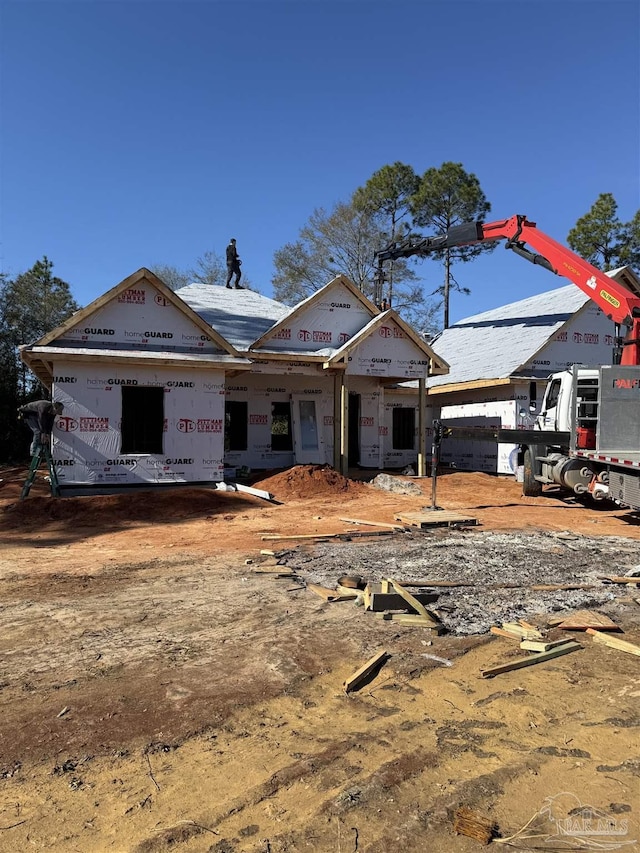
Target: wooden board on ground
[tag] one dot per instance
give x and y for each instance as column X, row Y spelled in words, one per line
column 564, row 649
column 542, row 645
column 331, row 594
column 584, row 619
column 367, row 669
column 413, row 620
column 614, row 642
column 436, row 518
column 371, row 523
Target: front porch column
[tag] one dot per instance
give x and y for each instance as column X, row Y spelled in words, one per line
column 422, row 428
column 340, row 424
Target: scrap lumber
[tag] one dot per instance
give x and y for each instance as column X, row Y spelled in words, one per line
column 558, row 587
column 413, row 602
column 331, row 594
column 508, row 635
column 413, row 619
column 451, row 584
column 437, row 518
column 614, row 642
column 469, row 823
column 618, row 579
column 279, row 536
column 355, row 680
column 371, row 523
column 564, row 649
column 523, row 633
column 542, row 645
column 584, row 619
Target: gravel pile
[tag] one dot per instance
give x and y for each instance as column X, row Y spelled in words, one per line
column 500, row 566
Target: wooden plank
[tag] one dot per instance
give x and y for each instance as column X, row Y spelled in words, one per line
column 278, row 536
column 617, row 579
column 379, row 601
column 370, row 523
column 557, row 587
column 508, row 635
column 367, row 669
column 412, row 602
column 584, row 619
column 330, row 594
column 564, row 649
column 523, row 633
column 614, row 642
column 437, row 518
column 413, row 619
column 541, row 645
column 451, row 584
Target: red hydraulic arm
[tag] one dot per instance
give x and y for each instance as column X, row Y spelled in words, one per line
column 618, row 303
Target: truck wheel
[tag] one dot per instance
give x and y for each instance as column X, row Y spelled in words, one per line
column 531, row 488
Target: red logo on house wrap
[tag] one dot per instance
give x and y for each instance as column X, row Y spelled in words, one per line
column 385, row 332
column 66, row 424
column 185, row 425
column 159, row 299
column 304, row 335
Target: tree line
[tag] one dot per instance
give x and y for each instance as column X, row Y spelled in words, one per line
column 395, row 203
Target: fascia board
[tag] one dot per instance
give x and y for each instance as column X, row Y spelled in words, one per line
column 469, row 386
column 32, row 354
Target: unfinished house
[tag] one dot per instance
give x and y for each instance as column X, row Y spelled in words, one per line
column 163, row 387
column 500, row 360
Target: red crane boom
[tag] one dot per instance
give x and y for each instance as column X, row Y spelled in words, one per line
column 618, row 303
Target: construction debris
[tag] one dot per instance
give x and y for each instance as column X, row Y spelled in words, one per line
column 371, row 666
column 614, row 642
column 584, row 619
column 437, row 518
column 564, row 649
column 372, row 523
column 473, row 825
column 331, row 594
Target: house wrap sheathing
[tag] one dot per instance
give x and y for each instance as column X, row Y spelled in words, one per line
column 500, row 360
column 163, row 387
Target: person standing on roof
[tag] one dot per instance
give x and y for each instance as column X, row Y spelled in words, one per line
column 233, row 264
column 39, row 416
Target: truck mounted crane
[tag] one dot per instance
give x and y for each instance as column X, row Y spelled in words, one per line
column 587, row 434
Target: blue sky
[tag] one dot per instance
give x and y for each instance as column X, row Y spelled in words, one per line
column 148, row 132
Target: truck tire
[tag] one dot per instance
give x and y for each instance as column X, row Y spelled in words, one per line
column 531, row 488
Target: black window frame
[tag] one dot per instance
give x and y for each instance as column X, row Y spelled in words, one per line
column 142, row 420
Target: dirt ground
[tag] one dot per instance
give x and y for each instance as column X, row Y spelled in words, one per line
column 161, row 690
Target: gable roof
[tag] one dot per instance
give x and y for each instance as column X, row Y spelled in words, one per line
column 437, row 364
column 142, row 275
column 310, row 301
column 494, row 344
column 241, row 316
